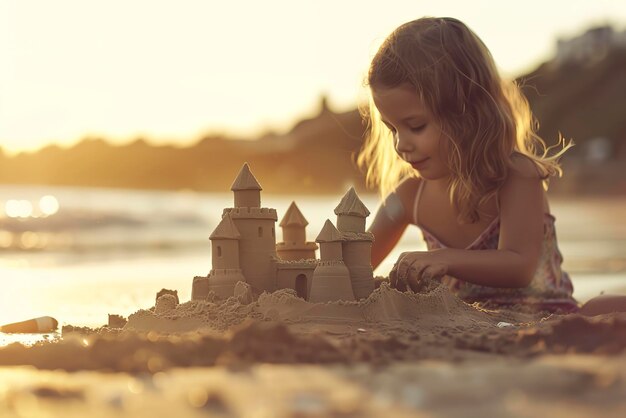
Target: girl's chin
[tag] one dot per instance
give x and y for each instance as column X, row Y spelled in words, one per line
column 429, row 175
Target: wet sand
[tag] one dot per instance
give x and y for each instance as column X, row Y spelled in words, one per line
column 397, row 354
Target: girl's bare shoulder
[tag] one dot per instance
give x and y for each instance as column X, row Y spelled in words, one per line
column 408, row 185
column 523, row 167
column 406, row 192
column 524, row 183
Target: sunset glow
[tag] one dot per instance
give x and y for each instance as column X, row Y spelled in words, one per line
column 171, row 71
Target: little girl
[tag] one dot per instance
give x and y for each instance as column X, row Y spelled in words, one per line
column 454, row 149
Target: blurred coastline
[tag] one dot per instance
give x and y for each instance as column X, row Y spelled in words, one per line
column 579, row 95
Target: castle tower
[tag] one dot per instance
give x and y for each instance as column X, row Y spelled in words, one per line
column 256, row 225
column 351, row 213
column 294, row 246
column 357, row 244
column 246, row 189
column 331, row 278
column 225, row 255
column 225, row 244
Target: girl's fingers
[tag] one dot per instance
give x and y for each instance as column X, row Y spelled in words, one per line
column 393, row 278
column 434, row 272
column 399, row 278
column 415, row 275
column 438, row 271
column 402, row 266
column 427, row 273
column 405, row 262
column 412, row 284
column 410, row 270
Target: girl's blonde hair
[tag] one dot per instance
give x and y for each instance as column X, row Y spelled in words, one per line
column 484, row 118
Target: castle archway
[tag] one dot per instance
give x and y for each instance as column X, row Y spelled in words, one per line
column 301, row 286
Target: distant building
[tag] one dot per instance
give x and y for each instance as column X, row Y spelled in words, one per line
column 593, row 45
column 598, row 149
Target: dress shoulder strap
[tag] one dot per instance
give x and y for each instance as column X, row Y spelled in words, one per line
column 417, row 200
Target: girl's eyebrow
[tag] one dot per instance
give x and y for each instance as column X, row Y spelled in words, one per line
column 408, row 118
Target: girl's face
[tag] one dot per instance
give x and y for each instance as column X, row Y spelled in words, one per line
column 417, row 135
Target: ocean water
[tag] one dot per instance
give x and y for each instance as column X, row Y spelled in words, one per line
column 79, row 254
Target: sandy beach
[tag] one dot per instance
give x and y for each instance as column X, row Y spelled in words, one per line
column 201, row 204
column 392, row 354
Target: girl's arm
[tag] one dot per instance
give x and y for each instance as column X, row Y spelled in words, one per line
column 515, row 261
column 391, row 219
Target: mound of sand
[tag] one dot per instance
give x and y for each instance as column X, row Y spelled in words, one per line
column 388, row 326
column 385, row 307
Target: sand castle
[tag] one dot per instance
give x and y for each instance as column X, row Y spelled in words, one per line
column 244, row 249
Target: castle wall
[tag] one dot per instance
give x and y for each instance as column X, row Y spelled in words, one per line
column 349, row 223
column 225, row 253
column 223, row 281
column 199, row 288
column 290, row 252
column 257, row 245
column 331, row 251
column 247, row 198
column 287, row 277
column 331, row 282
column 357, row 256
column 294, row 234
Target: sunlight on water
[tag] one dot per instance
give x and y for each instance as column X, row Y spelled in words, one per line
column 27, row 339
column 86, row 293
column 48, row 205
column 88, row 253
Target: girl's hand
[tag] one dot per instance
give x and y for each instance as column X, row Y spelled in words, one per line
column 413, row 268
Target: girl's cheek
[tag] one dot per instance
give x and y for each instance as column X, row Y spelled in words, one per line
column 445, row 147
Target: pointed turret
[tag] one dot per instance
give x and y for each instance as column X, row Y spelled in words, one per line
column 294, row 245
column 328, row 233
column 225, row 244
column 329, row 239
column 226, row 271
column 351, row 213
column 257, row 227
column 331, row 278
column 293, row 217
column 226, row 229
column 350, row 204
column 245, row 180
column 357, row 244
column 247, row 189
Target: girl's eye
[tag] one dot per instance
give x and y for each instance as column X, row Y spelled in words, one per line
column 418, row 128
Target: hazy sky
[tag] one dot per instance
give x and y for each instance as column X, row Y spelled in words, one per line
column 172, row 70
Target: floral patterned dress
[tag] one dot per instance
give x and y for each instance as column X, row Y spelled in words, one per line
column 550, row 290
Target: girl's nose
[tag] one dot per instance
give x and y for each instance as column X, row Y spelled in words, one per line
column 403, row 146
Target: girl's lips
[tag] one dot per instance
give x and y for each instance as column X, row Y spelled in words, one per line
column 419, row 164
